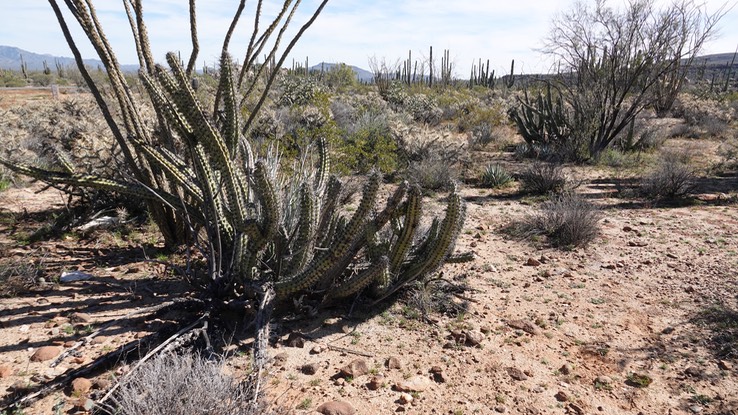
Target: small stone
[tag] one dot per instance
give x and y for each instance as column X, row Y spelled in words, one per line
column 576, row 409
column 637, row 243
column 405, row 398
column 45, row 353
column 80, row 386
column 532, row 262
column 85, row 404
column 413, row 384
column 526, row 326
column 561, row 396
column 667, row 330
column 102, row 384
column 437, row 373
column 603, row 380
column 500, row 409
column 339, row 382
column 474, row 337
column 694, row 372
column 516, row 374
column 695, row 409
column 280, row 359
column 336, row 408
column 722, row 365
column 80, row 318
column 565, row 369
column 355, row 369
column 310, row 368
column 393, row 363
column 317, row 349
column 376, row 382
column 295, row 339
column 5, row 371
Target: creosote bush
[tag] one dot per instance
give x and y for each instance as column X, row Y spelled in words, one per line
column 568, row 220
column 543, row 178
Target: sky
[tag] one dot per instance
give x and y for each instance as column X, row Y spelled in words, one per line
column 350, row 31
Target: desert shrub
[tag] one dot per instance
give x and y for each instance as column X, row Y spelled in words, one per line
column 18, row 275
column 432, row 174
column 672, row 179
column 339, row 77
column 183, row 385
column 368, row 143
column 703, row 116
column 436, row 295
column 495, row 176
column 543, row 178
column 420, row 106
column 568, row 220
column 297, row 90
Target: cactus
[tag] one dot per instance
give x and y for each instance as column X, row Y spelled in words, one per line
column 543, row 120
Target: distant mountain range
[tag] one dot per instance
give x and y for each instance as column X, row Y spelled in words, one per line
column 11, row 58
column 361, row 74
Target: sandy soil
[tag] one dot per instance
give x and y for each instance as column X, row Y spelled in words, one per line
column 631, row 324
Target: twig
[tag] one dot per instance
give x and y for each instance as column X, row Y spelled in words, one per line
column 261, row 343
column 94, row 334
column 148, row 356
column 345, row 350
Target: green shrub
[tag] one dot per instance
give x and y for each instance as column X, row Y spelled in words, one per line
column 368, row 144
column 495, row 176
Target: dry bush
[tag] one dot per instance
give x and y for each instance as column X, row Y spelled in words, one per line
column 568, row 220
column 184, row 385
column 17, row 276
column 672, row 179
column 543, row 178
column 703, row 116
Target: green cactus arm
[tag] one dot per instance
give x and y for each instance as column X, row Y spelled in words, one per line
column 324, row 167
column 411, row 220
column 231, row 127
column 303, row 242
column 355, row 283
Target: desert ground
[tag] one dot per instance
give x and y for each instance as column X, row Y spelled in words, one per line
column 643, row 320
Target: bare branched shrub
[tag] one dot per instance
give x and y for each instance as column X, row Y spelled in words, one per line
column 543, row 178
column 184, row 385
column 437, row 295
column 17, row 276
column 433, row 173
column 567, row 220
column 672, row 179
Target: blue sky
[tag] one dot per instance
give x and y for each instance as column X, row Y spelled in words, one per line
column 348, row 31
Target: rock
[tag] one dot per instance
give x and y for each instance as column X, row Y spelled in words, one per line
column 532, row 262
column 317, row 349
column 336, row 408
column 85, row 404
column 695, row 409
column 526, row 326
column 5, row 371
column 393, row 363
column 310, row 368
column 576, row 409
column 637, row 243
column 722, row 365
column 102, row 384
column 474, row 337
column 405, row 398
column 694, row 372
column 295, row 339
column 437, row 373
column 45, row 353
column 74, row 276
column 80, row 386
column 339, row 382
column 565, row 369
column 376, row 382
column 80, row 318
column 279, row 359
column 516, row 373
column 500, row 409
column 603, row 380
column 355, row 369
column 667, row 330
column 561, row 396
column 413, row 384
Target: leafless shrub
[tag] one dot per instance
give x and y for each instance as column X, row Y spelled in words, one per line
column 432, row 173
column 183, row 385
column 568, row 220
column 17, row 276
column 543, row 178
column 672, row 179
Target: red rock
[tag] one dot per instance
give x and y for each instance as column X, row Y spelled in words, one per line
column 80, row 386
column 337, row 408
column 414, row 384
column 45, row 353
column 355, row 369
column 5, row 371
